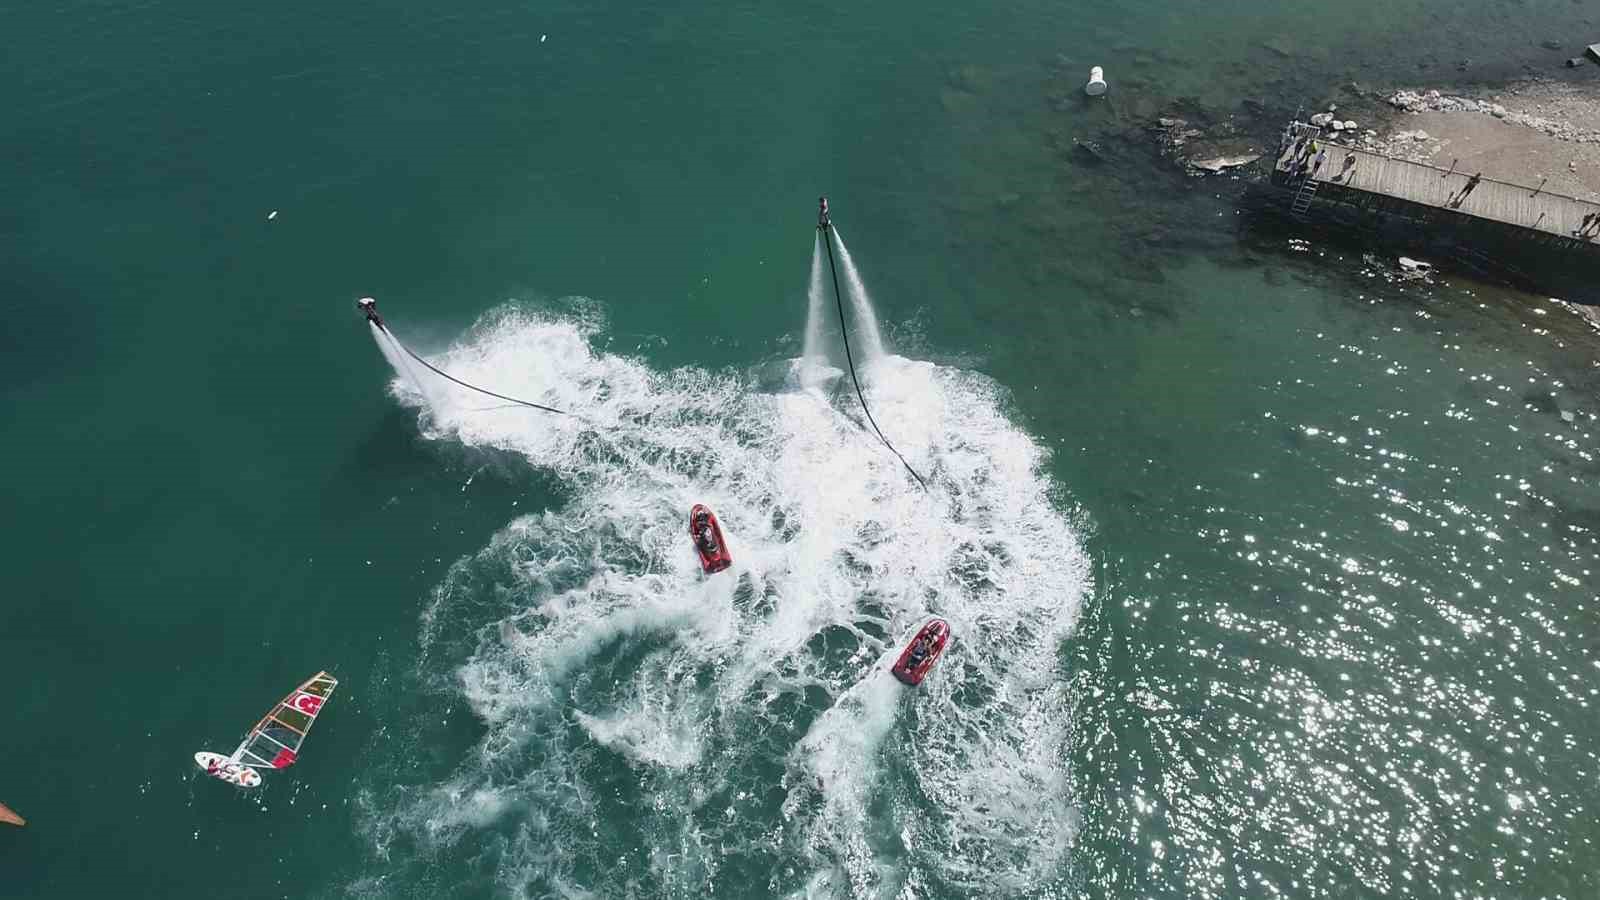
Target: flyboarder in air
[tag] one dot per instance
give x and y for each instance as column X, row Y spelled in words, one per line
column 370, row 307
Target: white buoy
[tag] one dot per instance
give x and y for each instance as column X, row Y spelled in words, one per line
column 1097, row 82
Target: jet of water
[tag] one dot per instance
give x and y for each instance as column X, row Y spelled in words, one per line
column 866, row 324
column 814, row 357
column 390, row 348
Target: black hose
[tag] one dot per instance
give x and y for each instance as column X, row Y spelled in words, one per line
column 472, row 387
column 838, row 300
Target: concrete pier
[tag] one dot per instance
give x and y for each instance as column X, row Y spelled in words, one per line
column 1533, row 237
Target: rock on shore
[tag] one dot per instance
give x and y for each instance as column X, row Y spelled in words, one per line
column 1537, row 133
column 1209, row 150
column 1571, row 106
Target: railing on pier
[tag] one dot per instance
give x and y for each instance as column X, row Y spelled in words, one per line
column 1365, row 171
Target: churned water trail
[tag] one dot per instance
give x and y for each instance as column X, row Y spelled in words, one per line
column 739, row 735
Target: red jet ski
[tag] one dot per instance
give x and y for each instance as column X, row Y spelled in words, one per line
column 708, row 542
column 923, row 651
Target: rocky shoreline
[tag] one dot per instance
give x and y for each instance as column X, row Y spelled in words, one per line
column 1534, row 132
column 1527, row 132
column 1558, row 124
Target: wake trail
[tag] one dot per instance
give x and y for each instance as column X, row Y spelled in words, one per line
column 646, row 728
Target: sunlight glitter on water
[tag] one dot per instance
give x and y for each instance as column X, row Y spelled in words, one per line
column 1391, row 706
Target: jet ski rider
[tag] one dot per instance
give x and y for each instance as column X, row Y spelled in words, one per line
column 704, row 535
column 919, row 651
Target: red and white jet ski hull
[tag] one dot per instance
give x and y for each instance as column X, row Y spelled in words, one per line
column 710, row 563
column 912, row 673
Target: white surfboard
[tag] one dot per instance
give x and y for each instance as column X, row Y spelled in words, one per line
column 225, row 769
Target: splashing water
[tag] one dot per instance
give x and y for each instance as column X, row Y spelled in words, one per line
column 649, row 731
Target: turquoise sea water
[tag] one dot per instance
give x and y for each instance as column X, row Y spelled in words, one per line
column 1270, row 576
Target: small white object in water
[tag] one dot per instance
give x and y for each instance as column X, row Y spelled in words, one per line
column 542, row 37
column 1097, row 82
column 272, row 215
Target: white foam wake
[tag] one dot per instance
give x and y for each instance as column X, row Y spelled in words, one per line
column 648, row 730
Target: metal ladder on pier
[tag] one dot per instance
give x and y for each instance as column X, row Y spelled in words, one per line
column 1303, row 197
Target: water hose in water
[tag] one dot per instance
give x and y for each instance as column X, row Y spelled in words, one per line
column 825, row 226
column 370, row 307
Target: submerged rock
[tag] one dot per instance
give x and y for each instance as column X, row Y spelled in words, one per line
column 1280, row 46
column 968, row 77
column 1219, row 164
column 1091, row 151
column 1203, row 141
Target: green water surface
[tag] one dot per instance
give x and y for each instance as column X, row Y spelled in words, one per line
column 1342, row 636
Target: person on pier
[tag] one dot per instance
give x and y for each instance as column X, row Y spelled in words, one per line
column 1472, row 182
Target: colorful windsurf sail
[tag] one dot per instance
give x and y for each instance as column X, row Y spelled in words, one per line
column 275, row 741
